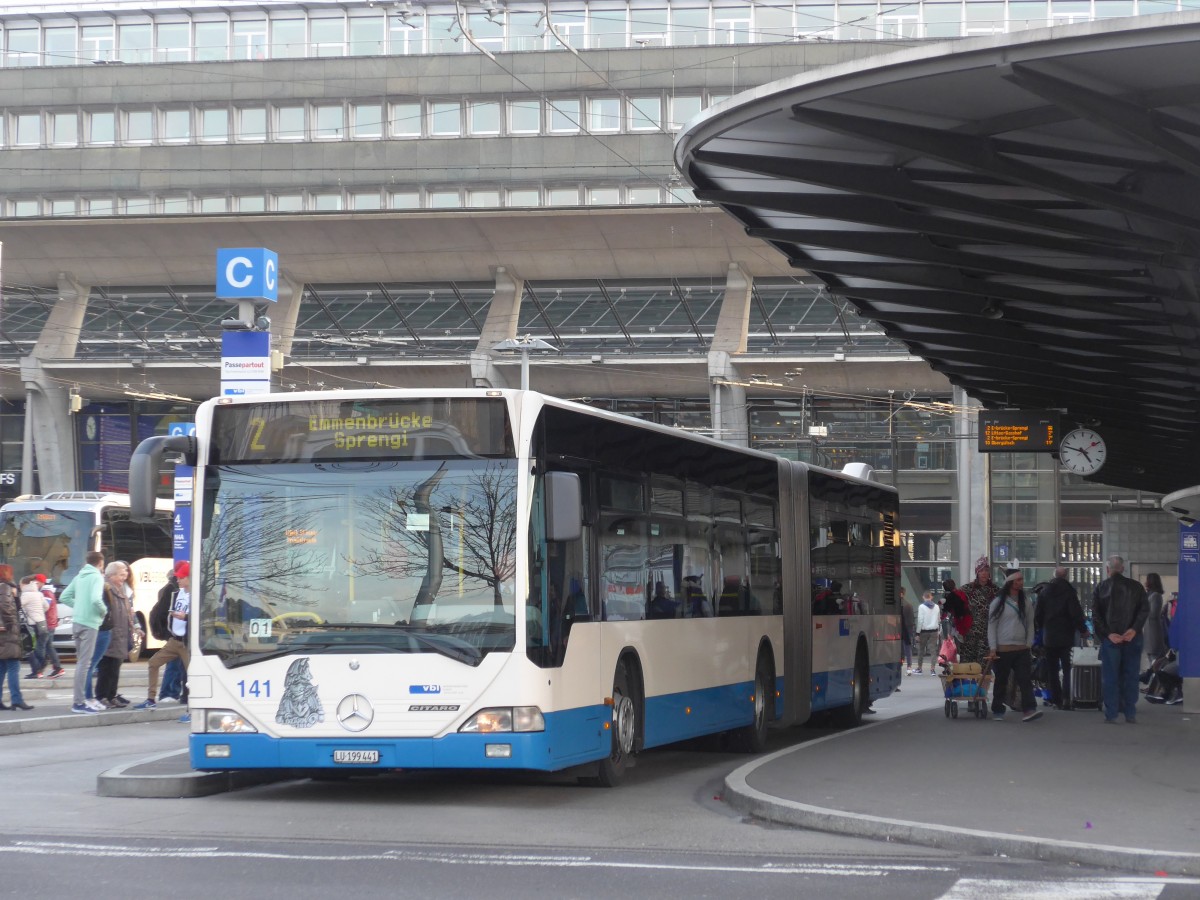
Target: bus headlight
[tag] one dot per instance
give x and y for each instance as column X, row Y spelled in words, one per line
column 505, row 718
column 226, row 721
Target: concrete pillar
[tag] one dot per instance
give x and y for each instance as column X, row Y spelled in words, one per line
column 501, row 324
column 49, row 428
column 727, row 398
column 974, row 504
column 733, row 321
column 285, row 313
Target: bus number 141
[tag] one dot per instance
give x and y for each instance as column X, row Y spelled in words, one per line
column 256, row 688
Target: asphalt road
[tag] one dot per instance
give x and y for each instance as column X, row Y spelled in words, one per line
column 666, row 833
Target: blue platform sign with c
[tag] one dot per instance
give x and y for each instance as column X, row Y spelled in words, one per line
column 247, row 273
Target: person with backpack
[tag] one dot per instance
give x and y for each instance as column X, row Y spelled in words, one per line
column 10, row 647
column 51, row 624
column 178, row 610
column 37, row 608
column 1059, row 617
column 172, row 676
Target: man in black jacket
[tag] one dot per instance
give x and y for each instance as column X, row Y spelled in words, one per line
column 1119, row 611
column 1059, row 617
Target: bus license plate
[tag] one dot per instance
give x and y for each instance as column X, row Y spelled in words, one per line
column 356, row 757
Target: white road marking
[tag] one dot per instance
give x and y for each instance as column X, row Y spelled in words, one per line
column 1107, row 889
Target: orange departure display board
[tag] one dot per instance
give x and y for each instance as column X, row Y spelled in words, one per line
column 1018, row 430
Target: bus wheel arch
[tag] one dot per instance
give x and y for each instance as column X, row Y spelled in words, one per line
column 626, row 730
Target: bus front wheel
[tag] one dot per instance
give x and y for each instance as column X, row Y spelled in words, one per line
column 611, row 771
column 860, row 693
column 752, row 738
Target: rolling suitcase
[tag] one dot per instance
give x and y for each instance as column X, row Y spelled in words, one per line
column 1085, row 677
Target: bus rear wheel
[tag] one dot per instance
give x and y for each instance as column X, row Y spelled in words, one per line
column 752, row 738
column 611, row 771
column 860, row 693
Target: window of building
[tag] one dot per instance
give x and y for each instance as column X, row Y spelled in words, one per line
column 172, row 42
column 214, row 205
column 406, row 34
column 562, row 196
column 681, row 195
column 645, row 113
column 524, row 31
column 289, row 123
column 176, row 126
column 139, row 126
column 645, row 195
column 102, row 127
column 1027, row 14
column 252, row 123
column 62, row 207
column 683, row 109
column 329, row 122
column 524, row 116
column 21, row 47
column 134, row 41
column 442, row 34
column 731, row 24
column 604, row 196
column 485, row 117
column 689, row 27
column 96, row 42
column 773, row 22
column 99, row 206
column 571, row 28
column 943, row 20
column 251, row 203
column 817, row 19
column 367, row 35
column 287, row 38
column 212, row 41
column 214, row 124
column 289, row 202
column 610, row 27
column 60, row 47
column 983, row 18
column 445, row 118
column 488, row 31
column 524, row 198
column 483, row 199
column 565, row 116
column 328, row 36
column 365, row 200
column 250, row 39
column 64, row 129
column 367, row 120
column 27, row 130
column 444, row 199
column 175, row 205
column 405, row 200
column 135, row 206
column 327, row 202
column 406, row 120
column 604, row 114
column 26, row 208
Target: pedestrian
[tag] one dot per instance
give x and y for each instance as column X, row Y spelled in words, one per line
column 120, row 609
column 908, row 627
column 1119, row 611
column 85, row 595
column 1010, row 635
column 1059, row 617
column 51, row 625
column 1154, row 634
column 34, row 604
column 979, row 595
column 176, row 646
column 10, row 647
column 929, row 616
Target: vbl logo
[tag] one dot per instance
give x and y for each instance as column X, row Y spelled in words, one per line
column 424, row 688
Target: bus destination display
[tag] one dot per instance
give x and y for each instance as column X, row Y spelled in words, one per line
column 1018, row 430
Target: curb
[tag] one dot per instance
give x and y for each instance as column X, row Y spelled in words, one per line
column 60, row 721
column 742, row 797
column 123, row 782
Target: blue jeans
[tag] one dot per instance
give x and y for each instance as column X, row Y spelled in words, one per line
column 172, row 685
column 103, row 639
column 11, row 669
column 1120, row 665
column 43, row 651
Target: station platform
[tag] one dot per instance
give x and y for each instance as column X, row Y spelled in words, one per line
column 1068, row 787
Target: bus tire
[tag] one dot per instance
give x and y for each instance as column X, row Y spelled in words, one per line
column 611, row 771
column 860, row 697
column 752, row 738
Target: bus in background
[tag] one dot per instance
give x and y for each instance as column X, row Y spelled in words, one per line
column 500, row 579
column 51, row 534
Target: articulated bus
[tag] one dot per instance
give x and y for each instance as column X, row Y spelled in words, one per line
column 500, row 579
column 50, row 534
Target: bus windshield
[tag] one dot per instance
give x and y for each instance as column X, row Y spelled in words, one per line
column 386, row 556
column 52, row 542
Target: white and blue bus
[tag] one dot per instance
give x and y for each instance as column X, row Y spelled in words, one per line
column 500, row 579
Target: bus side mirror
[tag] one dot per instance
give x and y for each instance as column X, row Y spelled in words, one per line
column 564, row 507
column 144, row 465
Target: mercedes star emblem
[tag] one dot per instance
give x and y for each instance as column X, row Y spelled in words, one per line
column 354, row 713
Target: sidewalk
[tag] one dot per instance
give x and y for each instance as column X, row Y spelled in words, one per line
column 51, row 701
column 1067, row 788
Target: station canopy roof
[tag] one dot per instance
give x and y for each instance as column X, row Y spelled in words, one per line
column 1019, row 210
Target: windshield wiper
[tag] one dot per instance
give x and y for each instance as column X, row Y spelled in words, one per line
column 447, row 646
